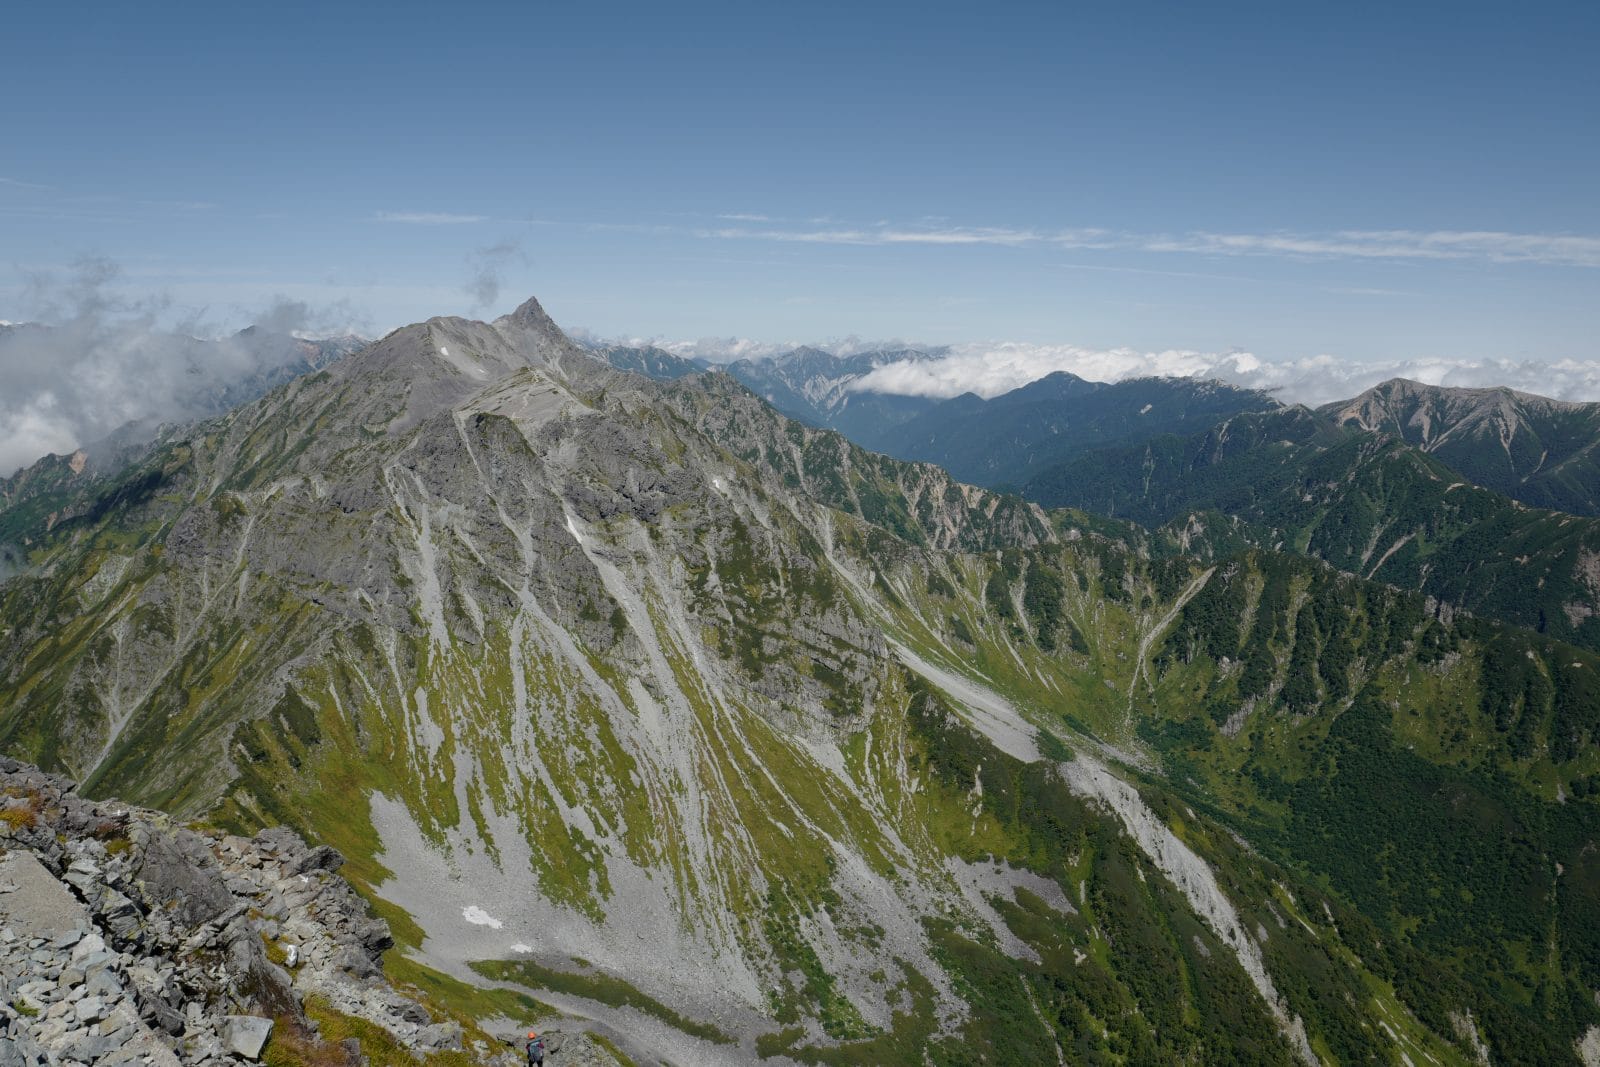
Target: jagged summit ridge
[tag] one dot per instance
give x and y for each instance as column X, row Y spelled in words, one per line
column 430, row 367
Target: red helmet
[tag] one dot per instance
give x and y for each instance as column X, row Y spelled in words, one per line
column 533, row 1033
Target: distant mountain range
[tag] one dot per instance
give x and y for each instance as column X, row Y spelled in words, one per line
column 1545, row 453
column 1420, row 486
column 652, row 362
column 805, row 383
column 997, row 441
column 1012, row 437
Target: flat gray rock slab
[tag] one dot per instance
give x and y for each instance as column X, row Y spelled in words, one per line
column 39, row 906
column 89, row 1010
column 246, row 1035
column 148, row 1049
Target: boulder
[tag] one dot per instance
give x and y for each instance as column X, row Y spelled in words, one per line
column 321, row 858
column 246, row 1035
column 440, row 1037
column 179, row 873
column 280, row 839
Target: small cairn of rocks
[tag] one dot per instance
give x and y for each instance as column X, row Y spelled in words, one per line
column 126, row 939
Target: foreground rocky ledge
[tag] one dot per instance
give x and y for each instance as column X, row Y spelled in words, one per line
column 126, row 939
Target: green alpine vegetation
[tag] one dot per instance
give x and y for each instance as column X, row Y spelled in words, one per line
column 1367, row 503
column 747, row 744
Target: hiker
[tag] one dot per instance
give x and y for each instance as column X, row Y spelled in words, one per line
column 535, row 1049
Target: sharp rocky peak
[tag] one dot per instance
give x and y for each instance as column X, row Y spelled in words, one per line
column 530, row 315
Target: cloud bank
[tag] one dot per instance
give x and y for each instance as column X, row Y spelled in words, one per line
column 991, row 369
column 105, row 362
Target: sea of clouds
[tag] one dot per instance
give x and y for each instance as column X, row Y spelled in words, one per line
column 991, row 368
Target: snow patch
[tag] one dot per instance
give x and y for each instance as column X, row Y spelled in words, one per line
column 465, row 364
column 478, row 917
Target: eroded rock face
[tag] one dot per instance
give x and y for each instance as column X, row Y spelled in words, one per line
column 127, row 940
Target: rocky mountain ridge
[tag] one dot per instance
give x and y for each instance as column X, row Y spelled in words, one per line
column 744, row 742
column 127, row 939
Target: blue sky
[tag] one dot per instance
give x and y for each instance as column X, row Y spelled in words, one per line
column 1380, row 182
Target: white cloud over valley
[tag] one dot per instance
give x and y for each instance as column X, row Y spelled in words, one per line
column 991, row 369
column 994, row 367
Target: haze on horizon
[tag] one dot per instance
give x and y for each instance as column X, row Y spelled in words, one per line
column 1309, row 201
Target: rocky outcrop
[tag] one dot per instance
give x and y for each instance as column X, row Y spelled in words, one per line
column 126, row 939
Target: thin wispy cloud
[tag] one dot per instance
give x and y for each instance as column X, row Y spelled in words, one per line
column 1567, row 250
column 739, row 216
column 887, row 235
column 17, row 184
column 428, row 218
column 1490, row 245
column 97, row 209
column 178, row 205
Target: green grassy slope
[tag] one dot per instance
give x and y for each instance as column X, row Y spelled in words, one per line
column 1367, row 504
